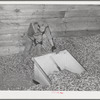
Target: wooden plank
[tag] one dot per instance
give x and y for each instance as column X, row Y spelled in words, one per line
column 13, row 21
column 57, row 27
column 12, row 7
column 58, row 7
column 82, row 19
column 49, row 14
column 7, row 15
column 8, row 30
column 8, row 37
column 82, row 13
column 13, row 30
column 26, row 15
column 11, row 43
column 30, row 7
column 82, row 26
column 49, row 7
column 9, row 50
column 66, row 7
column 72, row 20
column 87, row 7
column 77, row 33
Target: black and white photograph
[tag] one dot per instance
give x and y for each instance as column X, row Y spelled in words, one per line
column 49, row 47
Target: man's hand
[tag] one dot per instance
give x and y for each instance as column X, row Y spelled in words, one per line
column 53, row 48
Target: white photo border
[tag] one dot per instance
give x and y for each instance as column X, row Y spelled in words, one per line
column 50, row 94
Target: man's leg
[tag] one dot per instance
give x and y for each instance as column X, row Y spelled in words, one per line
column 50, row 38
column 28, row 47
column 39, row 50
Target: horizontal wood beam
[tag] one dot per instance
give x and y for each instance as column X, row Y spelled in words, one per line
column 48, row 7
column 79, row 33
column 11, row 43
column 71, row 7
column 9, row 37
column 9, row 50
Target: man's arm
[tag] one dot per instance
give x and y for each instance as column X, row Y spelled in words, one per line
column 50, row 38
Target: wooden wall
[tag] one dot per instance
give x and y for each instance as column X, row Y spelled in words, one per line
column 64, row 20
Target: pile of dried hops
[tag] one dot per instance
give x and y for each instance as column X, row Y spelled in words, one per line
column 17, row 71
column 86, row 50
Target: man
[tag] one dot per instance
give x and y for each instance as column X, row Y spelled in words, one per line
column 38, row 34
